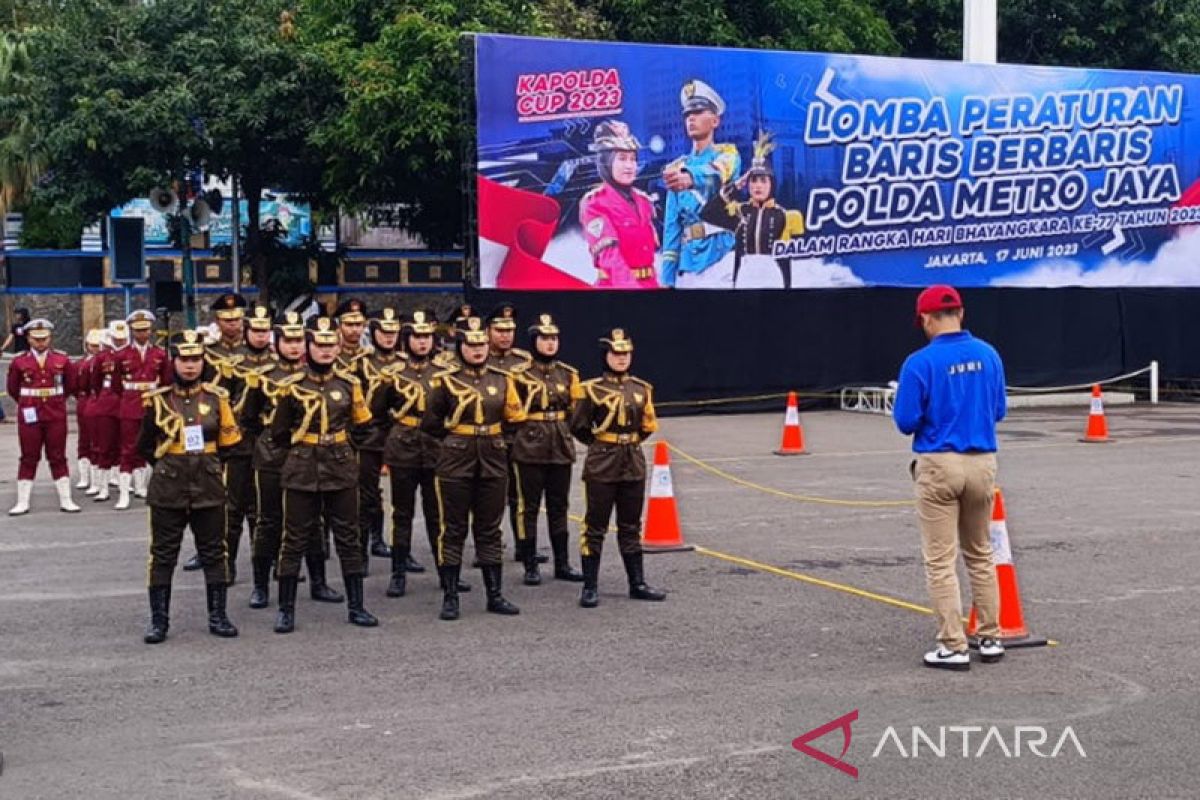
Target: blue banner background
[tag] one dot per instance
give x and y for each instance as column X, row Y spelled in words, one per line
column 777, row 92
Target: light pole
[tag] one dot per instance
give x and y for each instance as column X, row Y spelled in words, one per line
column 979, row 31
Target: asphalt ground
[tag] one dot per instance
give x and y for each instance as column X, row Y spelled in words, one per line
column 697, row 697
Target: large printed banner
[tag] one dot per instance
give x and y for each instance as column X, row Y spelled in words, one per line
column 643, row 166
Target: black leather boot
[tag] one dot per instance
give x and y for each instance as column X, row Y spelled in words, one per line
column 638, row 590
column 533, row 576
column 218, row 622
column 590, row 596
column 318, row 589
column 496, row 604
column 285, row 621
column 563, row 571
column 379, row 548
column 260, row 595
column 192, row 564
column 449, row 576
column 356, row 614
column 160, row 614
column 399, row 580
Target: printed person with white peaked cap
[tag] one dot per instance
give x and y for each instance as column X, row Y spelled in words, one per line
column 697, row 254
column 39, row 382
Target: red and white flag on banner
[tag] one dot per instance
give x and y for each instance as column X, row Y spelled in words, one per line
column 515, row 227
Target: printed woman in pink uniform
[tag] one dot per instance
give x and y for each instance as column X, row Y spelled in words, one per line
column 617, row 219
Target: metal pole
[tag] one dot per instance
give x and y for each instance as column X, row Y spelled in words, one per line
column 235, row 222
column 1154, row 382
column 189, row 270
column 979, row 31
column 128, row 299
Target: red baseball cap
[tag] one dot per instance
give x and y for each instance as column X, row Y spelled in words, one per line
column 937, row 298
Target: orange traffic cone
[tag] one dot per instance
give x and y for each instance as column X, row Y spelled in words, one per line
column 662, row 533
column 793, row 432
column 1013, row 632
column 1097, row 427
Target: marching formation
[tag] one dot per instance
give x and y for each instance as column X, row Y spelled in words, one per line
column 286, row 429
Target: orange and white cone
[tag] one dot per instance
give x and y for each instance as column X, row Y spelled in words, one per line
column 1097, row 426
column 662, row 534
column 792, row 443
column 1013, row 632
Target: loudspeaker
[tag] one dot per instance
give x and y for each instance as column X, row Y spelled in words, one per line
column 166, row 294
column 127, row 249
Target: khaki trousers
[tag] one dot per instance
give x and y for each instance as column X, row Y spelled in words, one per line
column 954, row 505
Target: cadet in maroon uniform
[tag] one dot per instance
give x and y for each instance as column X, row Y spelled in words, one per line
column 105, row 407
column 83, row 416
column 144, row 368
column 39, row 380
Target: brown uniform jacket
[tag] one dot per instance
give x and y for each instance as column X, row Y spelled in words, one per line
column 371, row 367
column 471, row 407
column 263, row 391
column 613, row 417
column 313, row 418
column 548, row 393
column 183, row 479
column 401, row 400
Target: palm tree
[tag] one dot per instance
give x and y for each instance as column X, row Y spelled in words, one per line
column 20, row 163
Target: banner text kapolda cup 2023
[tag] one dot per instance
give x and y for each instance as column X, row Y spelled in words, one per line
column 645, row 166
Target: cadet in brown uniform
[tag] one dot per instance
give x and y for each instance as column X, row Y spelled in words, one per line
column 613, row 417
column 263, row 391
column 223, row 359
column 501, row 331
column 543, row 450
column 186, row 429
column 369, row 438
column 470, row 406
column 410, row 453
column 315, row 412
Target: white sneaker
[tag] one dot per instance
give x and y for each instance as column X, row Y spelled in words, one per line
column 941, row 658
column 990, row 650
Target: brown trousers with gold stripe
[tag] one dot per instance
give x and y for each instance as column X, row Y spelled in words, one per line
column 166, row 535
column 477, row 503
column 305, row 514
column 601, row 498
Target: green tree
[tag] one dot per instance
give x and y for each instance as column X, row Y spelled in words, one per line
column 1120, row 34
column 169, row 87
column 20, row 162
column 399, row 134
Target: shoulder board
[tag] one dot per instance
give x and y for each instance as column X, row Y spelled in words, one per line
column 568, row 367
column 725, row 148
column 295, row 377
column 159, row 391
column 595, row 190
column 591, row 382
column 345, row 375
column 61, row 353
column 505, row 372
column 217, row 390
column 643, row 195
column 519, row 353
column 447, row 371
column 647, row 384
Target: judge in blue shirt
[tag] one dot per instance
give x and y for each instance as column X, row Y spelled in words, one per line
column 949, row 399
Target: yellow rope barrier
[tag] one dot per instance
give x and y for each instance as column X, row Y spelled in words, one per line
column 802, row 498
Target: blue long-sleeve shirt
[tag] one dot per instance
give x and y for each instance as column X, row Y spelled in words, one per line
column 951, row 395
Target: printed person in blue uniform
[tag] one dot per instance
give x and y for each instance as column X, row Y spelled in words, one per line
column 697, row 254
